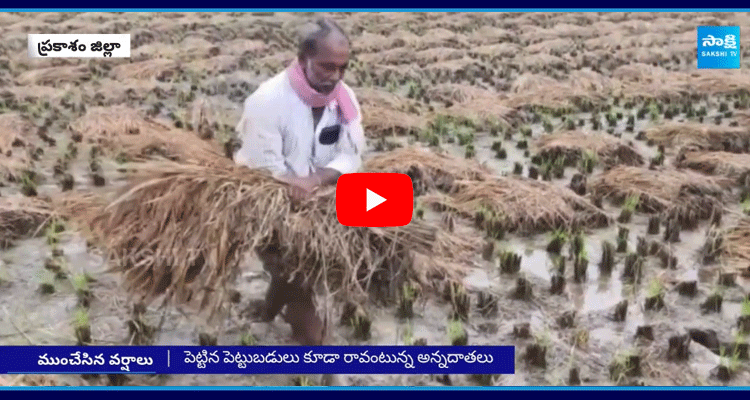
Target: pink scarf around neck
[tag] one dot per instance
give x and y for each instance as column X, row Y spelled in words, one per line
column 313, row 98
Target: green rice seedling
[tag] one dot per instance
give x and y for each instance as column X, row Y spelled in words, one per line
column 406, row 301
column 517, row 168
column 83, row 292
column 611, row 119
column 653, row 112
column 510, row 262
column 547, row 124
column 457, row 335
column 526, row 131
column 588, row 161
column 28, row 185
column 121, row 158
column 46, row 282
column 362, row 326
column 464, row 137
column 743, row 322
column 628, row 208
column 746, row 207
column 82, row 327
column 655, row 295
column 470, row 151
column 570, row 123
column 53, row 231
column 501, row 154
column 559, row 237
column 496, row 145
column 536, row 352
column 596, row 122
column 522, row 144
column 625, row 364
column 302, row 381
column 248, row 339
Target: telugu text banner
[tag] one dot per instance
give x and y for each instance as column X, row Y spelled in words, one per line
column 257, row 360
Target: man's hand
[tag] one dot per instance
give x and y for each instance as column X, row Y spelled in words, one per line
column 302, row 188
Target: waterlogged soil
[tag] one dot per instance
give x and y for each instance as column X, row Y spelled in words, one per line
column 591, row 343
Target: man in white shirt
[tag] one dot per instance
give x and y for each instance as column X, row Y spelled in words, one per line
column 304, row 126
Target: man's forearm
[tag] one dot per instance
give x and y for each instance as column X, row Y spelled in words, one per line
column 326, row 176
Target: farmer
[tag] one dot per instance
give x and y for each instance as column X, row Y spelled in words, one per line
column 304, row 126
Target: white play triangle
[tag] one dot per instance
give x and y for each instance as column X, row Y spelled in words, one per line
column 373, row 200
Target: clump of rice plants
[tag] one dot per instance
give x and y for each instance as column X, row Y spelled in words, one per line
column 588, row 161
column 457, row 334
column 406, row 301
column 536, row 352
column 630, row 205
column 655, row 295
column 82, row 327
column 625, row 364
column 559, row 238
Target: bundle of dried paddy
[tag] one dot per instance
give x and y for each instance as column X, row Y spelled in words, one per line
column 22, row 217
column 586, row 80
column 489, row 35
column 399, row 55
column 541, row 62
column 707, row 81
column 735, row 245
column 121, row 131
column 572, row 146
column 437, row 54
column 240, row 47
column 181, row 230
column 440, row 37
column 382, row 121
column 370, row 42
column 17, row 133
column 385, row 113
column 452, row 70
column 54, row 75
column 428, row 170
column 106, row 125
column 554, row 46
column 472, row 102
column 493, row 52
column 515, row 204
column 530, row 89
column 731, row 165
column 700, row 136
column 221, row 64
column 158, row 68
column 662, row 190
column 640, row 73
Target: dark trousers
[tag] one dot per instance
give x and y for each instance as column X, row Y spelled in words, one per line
column 307, row 327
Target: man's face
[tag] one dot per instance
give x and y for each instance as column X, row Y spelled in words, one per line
column 327, row 67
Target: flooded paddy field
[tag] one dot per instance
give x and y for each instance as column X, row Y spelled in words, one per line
column 605, row 113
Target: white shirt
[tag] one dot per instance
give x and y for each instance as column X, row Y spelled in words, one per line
column 277, row 133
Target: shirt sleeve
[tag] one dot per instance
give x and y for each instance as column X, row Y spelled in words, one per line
column 351, row 146
column 262, row 137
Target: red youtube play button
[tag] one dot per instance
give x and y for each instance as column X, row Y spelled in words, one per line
column 374, row 199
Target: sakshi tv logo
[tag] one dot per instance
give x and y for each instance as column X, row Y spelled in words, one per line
column 719, row 47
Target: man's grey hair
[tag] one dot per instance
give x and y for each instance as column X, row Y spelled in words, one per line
column 313, row 33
